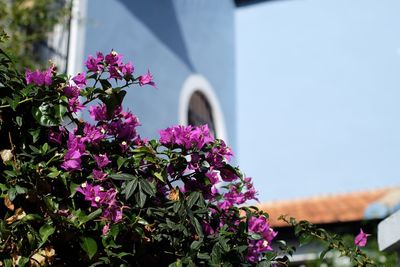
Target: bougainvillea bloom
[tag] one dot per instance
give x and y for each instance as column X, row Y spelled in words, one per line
column 146, row 79
column 101, row 160
column 39, row 77
column 75, row 150
column 259, row 225
column 361, row 239
column 98, row 113
column 80, row 79
column 95, row 64
column 186, row 136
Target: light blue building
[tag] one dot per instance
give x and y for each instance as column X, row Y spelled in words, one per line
column 188, row 46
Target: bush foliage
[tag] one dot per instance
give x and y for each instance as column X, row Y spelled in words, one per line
column 79, row 192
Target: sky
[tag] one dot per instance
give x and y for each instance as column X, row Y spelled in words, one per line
column 318, row 96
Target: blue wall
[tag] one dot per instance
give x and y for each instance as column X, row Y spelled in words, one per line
column 319, row 87
column 173, row 39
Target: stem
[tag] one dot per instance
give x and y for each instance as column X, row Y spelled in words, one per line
column 20, row 102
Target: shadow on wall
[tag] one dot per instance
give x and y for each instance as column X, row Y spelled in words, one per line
column 160, row 18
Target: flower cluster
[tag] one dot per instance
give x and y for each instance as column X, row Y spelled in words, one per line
column 99, row 197
column 113, row 61
column 259, row 225
column 186, row 136
column 122, row 193
column 39, row 78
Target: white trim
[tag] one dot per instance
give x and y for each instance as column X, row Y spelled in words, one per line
column 197, row 82
column 77, row 36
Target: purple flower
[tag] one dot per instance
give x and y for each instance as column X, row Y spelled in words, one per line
column 99, row 175
column 92, row 134
column 93, row 193
column 115, row 72
column 71, row 91
column 75, row 150
column 39, row 77
column 114, row 58
column 98, row 113
column 72, row 161
column 80, row 79
column 213, row 176
column 146, row 79
column 127, row 69
column 95, row 64
column 101, row 160
column 259, row 225
column 56, row 136
column 186, row 136
column 74, row 105
column 361, row 239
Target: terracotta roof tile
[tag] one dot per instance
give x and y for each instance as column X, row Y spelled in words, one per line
column 344, row 207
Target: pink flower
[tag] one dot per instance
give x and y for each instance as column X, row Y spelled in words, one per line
column 95, row 64
column 74, row 105
column 98, row 113
column 39, row 77
column 146, row 79
column 259, row 225
column 114, row 58
column 101, row 160
column 76, row 149
column 361, row 239
column 92, row 134
column 71, row 91
column 80, row 79
column 99, row 175
column 127, row 69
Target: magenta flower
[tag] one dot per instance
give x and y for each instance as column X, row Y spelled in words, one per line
column 99, row 175
column 39, row 77
column 95, row 64
column 80, row 79
column 259, row 225
column 72, row 158
column 186, row 136
column 114, row 58
column 146, row 79
column 71, row 91
column 361, row 239
column 56, row 136
column 127, row 69
column 92, row 134
column 98, row 113
column 101, row 160
column 74, row 105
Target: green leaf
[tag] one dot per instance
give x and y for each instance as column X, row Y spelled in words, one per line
column 196, row 245
column 91, row 216
column 45, row 115
column 60, row 111
column 141, row 198
column 147, row 187
column 35, row 134
column 45, row 231
column 121, row 161
column 178, row 263
column 122, row 176
column 89, row 245
column 193, row 197
column 159, row 176
column 130, row 188
column 198, row 227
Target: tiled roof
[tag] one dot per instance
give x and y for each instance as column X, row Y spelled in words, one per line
column 344, row 207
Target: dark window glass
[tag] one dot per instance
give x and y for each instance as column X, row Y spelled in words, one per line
column 200, row 112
